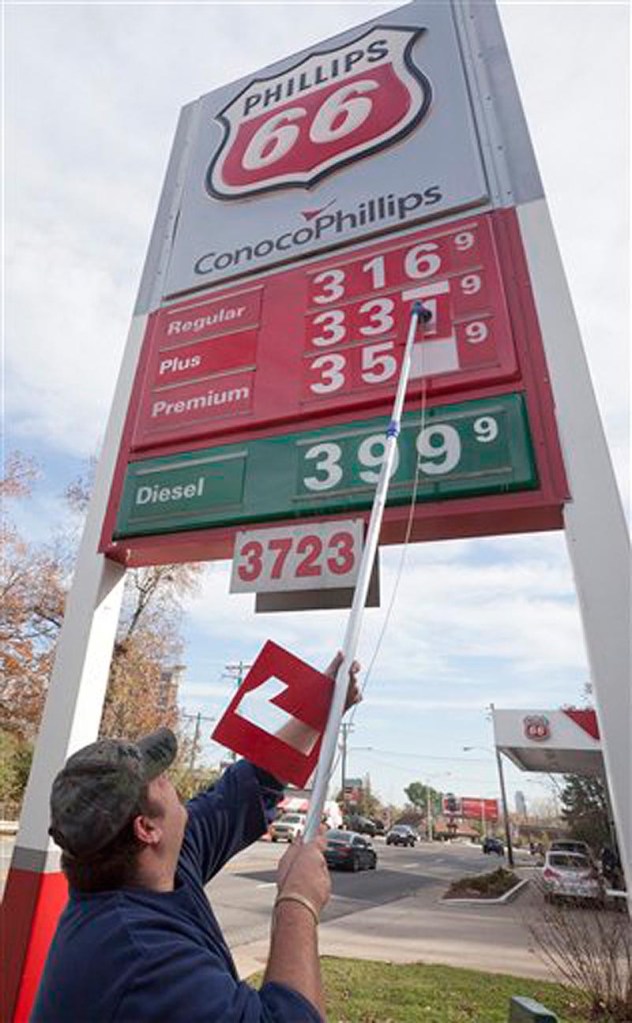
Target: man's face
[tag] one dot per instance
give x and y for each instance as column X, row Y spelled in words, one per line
column 172, row 814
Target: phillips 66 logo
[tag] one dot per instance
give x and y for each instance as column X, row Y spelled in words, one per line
column 536, row 727
column 330, row 109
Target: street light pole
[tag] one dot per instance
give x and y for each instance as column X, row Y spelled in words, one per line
column 503, row 798
column 501, row 778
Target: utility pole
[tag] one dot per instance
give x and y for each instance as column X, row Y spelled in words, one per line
column 236, row 673
column 198, row 718
column 429, row 814
column 345, row 729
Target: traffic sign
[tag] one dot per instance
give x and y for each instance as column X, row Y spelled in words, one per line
column 280, row 692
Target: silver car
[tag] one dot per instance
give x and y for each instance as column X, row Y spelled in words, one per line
column 571, row 875
column 288, row 827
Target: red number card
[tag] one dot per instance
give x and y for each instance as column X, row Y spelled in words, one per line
column 280, row 694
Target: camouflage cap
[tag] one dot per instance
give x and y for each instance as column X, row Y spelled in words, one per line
column 98, row 789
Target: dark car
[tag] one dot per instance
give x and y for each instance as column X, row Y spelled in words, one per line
column 362, row 825
column 401, row 834
column 493, row 845
column 349, row 851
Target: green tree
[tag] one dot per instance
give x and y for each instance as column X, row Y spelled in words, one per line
column 144, row 672
column 15, row 763
column 32, row 593
column 417, row 794
column 585, row 809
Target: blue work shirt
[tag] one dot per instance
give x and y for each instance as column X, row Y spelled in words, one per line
column 138, row 956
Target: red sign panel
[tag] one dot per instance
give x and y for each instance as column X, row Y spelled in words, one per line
column 330, row 109
column 479, row 809
column 318, row 344
column 279, row 692
column 327, row 336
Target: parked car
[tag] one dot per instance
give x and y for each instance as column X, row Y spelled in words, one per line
column 571, row 875
column 401, row 834
column 350, row 851
column 493, row 845
column 288, row 827
column 362, row 825
column 572, row 845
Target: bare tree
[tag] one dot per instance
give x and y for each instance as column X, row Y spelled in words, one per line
column 589, row 950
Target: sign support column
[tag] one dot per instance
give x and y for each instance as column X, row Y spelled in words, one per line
column 595, row 528
column 36, row 890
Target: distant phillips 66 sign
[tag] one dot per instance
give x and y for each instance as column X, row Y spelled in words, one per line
column 329, row 109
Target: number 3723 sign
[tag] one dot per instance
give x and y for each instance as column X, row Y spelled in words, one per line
column 323, row 555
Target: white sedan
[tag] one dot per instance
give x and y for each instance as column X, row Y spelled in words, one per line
column 571, row 875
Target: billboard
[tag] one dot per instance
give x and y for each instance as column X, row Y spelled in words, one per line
column 276, row 299
column 295, row 158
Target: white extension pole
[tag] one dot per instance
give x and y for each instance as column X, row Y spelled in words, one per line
column 330, row 738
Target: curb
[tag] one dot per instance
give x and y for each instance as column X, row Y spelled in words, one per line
column 488, row 902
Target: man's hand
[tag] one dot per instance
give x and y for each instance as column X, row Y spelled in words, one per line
column 354, row 694
column 303, row 871
column 304, row 887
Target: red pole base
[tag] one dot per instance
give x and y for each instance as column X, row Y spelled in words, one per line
column 32, row 904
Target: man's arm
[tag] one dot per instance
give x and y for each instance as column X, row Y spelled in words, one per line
column 303, row 889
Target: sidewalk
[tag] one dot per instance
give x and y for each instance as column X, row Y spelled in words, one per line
column 424, row 928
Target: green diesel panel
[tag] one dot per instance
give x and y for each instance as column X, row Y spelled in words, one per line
column 179, row 492
column 474, row 448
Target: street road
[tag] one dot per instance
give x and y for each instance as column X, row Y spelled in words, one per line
column 242, row 895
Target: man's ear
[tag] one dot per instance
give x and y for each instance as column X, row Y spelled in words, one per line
column 147, row 830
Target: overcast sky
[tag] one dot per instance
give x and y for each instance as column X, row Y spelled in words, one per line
column 92, row 94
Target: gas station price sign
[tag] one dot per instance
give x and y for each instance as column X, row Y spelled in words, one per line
column 326, row 336
column 474, row 448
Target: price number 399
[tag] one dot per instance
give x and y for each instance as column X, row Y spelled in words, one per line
column 438, row 451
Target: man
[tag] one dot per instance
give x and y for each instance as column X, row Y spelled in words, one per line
column 138, row 941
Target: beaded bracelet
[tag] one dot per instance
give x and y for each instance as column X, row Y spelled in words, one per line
column 295, row 897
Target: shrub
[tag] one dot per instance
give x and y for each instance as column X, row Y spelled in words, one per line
column 483, row 886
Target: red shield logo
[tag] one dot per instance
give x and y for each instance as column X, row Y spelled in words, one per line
column 537, row 727
column 332, row 108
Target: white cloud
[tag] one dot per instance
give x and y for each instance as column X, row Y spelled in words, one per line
column 452, row 617
column 92, row 97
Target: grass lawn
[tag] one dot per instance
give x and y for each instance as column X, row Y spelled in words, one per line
column 371, row 992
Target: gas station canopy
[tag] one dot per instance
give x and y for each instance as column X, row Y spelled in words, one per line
column 562, row 741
